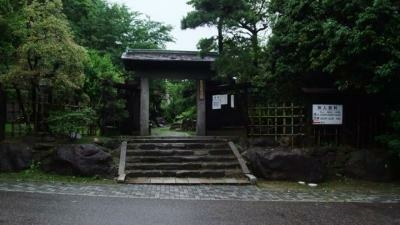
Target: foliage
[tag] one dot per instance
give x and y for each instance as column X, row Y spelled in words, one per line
column 112, row 28
column 181, row 100
column 157, row 96
column 240, row 26
column 47, row 50
column 100, row 80
column 188, row 114
column 38, row 53
column 392, row 140
column 71, row 122
column 34, row 174
column 10, row 11
column 350, row 44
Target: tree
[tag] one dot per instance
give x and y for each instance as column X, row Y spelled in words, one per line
column 353, row 45
column 240, row 25
column 9, row 40
column 180, row 101
column 47, row 54
column 210, row 13
column 112, row 28
column 101, row 76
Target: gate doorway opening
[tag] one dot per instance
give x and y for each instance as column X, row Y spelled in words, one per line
column 173, row 110
column 150, row 65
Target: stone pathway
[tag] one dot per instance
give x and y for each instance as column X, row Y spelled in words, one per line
column 197, row 192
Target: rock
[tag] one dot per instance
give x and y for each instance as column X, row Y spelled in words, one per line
column 285, row 141
column 262, row 142
column 176, row 126
column 110, row 143
column 285, row 164
column 312, row 185
column 81, row 159
column 43, row 146
column 15, row 157
column 333, row 158
column 374, row 165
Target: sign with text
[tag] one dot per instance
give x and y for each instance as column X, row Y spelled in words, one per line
column 219, row 100
column 216, row 102
column 327, row 114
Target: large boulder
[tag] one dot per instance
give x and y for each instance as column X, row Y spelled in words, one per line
column 111, row 143
column 333, row 158
column 15, row 157
column 375, row 165
column 284, row 164
column 81, row 159
column 261, row 142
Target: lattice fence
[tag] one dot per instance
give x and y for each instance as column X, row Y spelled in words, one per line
column 283, row 120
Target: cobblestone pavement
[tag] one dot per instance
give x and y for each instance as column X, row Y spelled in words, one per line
column 198, row 192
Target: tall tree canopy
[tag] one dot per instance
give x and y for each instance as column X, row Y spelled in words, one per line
column 240, row 27
column 353, row 44
column 72, row 47
column 112, row 28
column 47, row 50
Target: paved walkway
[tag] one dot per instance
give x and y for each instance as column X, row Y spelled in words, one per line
column 198, row 192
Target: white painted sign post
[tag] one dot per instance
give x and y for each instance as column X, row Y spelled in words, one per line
column 327, row 114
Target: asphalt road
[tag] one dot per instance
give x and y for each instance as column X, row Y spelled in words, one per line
column 34, row 209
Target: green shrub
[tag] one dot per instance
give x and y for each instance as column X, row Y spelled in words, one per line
column 71, row 122
column 392, row 140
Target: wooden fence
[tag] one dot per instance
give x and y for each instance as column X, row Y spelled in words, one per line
column 361, row 125
column 16, row 125
column 277, row 121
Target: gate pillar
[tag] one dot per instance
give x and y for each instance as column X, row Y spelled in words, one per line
column 201, row 108
column 144, row 106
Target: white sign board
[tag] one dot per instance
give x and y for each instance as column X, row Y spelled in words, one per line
column 216, row 102
column 219, row 100
column 224, row 99
column 327, row 114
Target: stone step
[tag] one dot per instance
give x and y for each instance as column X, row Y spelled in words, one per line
column 172, row 152
column 168, row 152
column 184, row 173
column 206, row 158
column 191, row 181
column 188, row 145
column 182, row 166
column 175, row 140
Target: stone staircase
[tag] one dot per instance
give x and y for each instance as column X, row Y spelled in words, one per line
column 208, row 160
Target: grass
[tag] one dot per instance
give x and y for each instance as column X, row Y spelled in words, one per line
column 36, row 175
column 341, row 185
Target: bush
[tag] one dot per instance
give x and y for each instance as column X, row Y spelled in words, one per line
column 392, row 140
column 70, row 123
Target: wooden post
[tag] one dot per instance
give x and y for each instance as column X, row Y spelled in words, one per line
column 201, row 109
column 144, row 106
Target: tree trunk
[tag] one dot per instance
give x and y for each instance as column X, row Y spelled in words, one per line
column 256, row 48
column 34, row 106
column 21, row 105
column 220, row 37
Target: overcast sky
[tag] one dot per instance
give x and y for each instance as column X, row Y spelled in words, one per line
column 170, row 12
